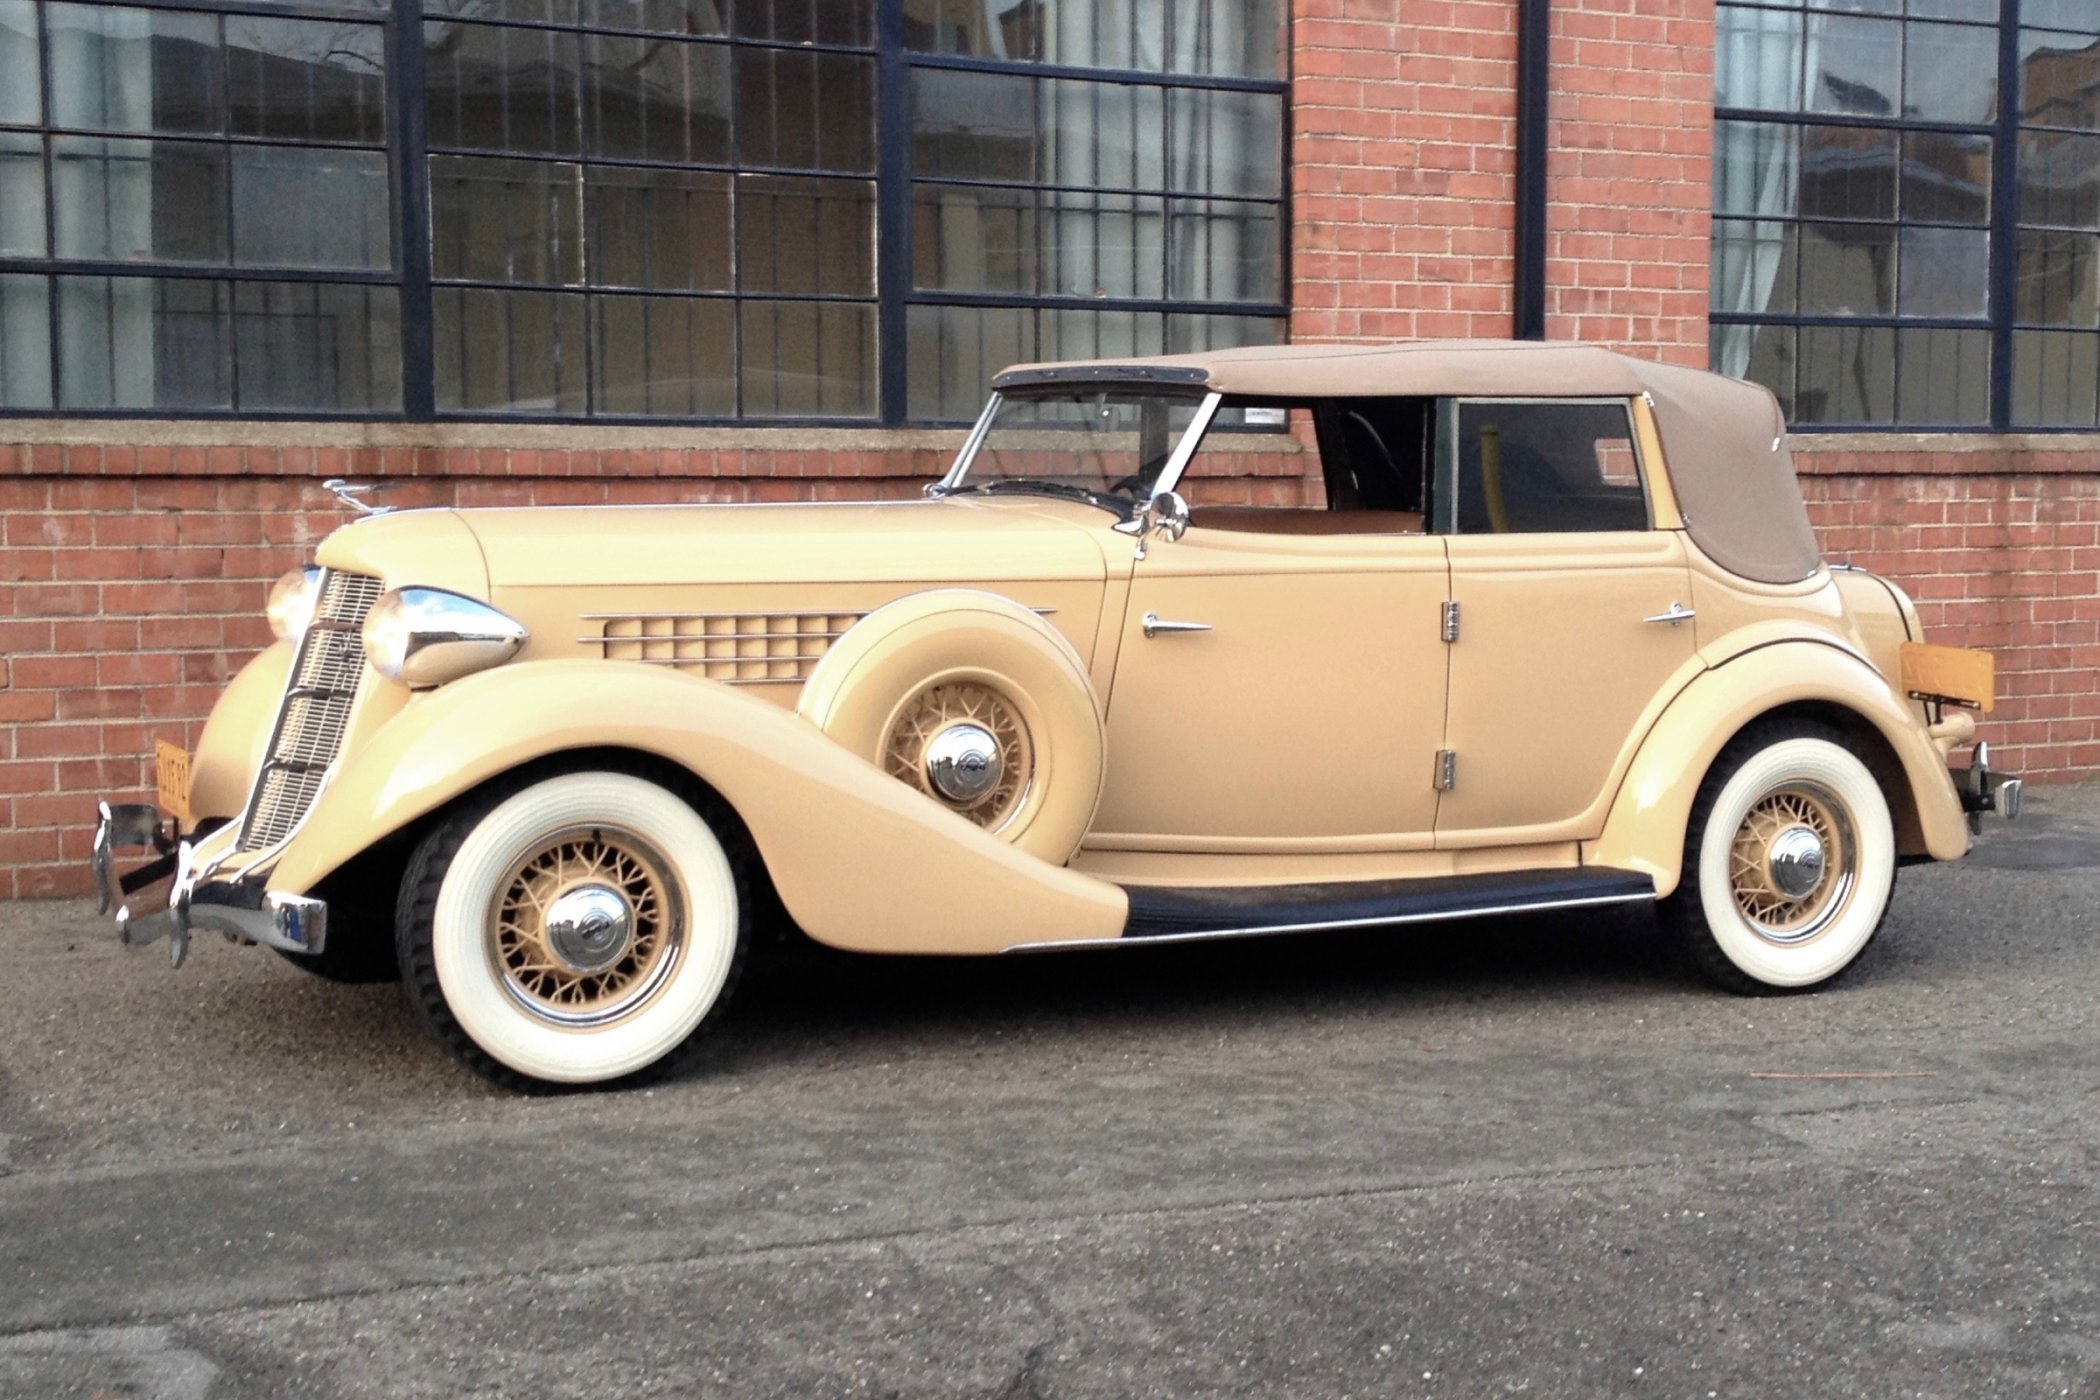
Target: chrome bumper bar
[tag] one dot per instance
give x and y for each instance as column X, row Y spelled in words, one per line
column 169, row 897
column 1983, row 789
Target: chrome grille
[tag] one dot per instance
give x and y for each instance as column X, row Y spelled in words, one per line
column 315, row 712
column 738, row 648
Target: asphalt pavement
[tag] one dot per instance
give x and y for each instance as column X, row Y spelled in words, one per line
column 1510, row 1157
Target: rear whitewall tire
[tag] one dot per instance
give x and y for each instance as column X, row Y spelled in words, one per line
column 1740, row 929
column 463, row 968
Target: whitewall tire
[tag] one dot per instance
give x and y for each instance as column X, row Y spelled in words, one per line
column 1789, row 861
column 575, row 931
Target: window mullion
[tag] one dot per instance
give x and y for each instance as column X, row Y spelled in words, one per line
column 2005, row 217
column 892, row 208
column 412, row 212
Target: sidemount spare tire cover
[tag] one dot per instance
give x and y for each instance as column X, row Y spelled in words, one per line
column 958, row 662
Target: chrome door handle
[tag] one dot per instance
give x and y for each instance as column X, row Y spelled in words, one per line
column 1155, row 625
column 1678, row 613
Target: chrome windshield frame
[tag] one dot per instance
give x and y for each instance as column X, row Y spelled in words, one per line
column 1169, row 474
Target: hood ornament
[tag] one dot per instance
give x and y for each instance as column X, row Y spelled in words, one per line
column 351, row 494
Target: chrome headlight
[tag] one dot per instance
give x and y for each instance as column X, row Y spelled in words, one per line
column 292, row 602
column 423, row 637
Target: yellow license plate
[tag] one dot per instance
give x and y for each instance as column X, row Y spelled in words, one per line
column 1958, row 674
column 171, row 768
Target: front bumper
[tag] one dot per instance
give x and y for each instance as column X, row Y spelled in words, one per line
column 1984, row 789
column 173, row 895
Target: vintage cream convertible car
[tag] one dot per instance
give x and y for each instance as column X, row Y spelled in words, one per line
column 1550, row 630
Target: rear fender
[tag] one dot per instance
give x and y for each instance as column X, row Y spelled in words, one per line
column 860, row 860
column 1645, row 830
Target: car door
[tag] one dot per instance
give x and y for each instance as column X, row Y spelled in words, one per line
column 1305, row 714
column 1565, row 600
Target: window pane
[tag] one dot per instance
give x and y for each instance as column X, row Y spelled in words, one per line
column 25, row 342
column 976, row 239
column 1945, row 272
column 1847, row 375
column 1757, row 59
column 1092, row 335
column 1756, row 168
column 658, row 228
column 509, row 352
column 1076, row 33
column 21, row 86
column 1847, row 173
column 805, row 235
column 973, row 126
column 1187, row 333
column 539, row 11
column 805, row 111
column 1226, row 142
column 1764, row 354
column 807, row 21
column 2059, row 179
column 296, row 207
column 306, row 80
column 118, row 200
column 1755, row 266
column 953, row 352
column 1854, row 65
column 985, row 126
column 21, row 195
column 2055, row 378
column 1950, row 73
column 812, row 359
column 1945, row 377
column 2058, row 279
column 696, row 17
column 1848, row 269
column 1542, row 468
column 1223, row 250
column 133, row 70
column 310, row 347
column 1959, row 9
column 1946, row 179
column 663, row 356
column 505, row 220
column 143, row 342
column 2063, row 14
column 1233, row 38
column 653, row 99
column 495, row 89
column 2059, row 80
column 1865, row 7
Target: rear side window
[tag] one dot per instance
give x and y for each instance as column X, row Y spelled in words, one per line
column 1534, row 467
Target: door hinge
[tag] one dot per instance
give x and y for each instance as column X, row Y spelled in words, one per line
column 1450, row 621
column 1446, row 770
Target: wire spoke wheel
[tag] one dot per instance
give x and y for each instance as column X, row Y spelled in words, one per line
column 965, row 745
column 586, row 926
column 1793, row 862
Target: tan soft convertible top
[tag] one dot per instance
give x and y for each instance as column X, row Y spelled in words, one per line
column 1725, row 439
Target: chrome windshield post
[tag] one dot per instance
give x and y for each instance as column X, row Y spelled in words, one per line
column 1170, row 475
column 968, row 452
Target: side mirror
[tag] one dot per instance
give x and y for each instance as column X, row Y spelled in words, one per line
column 1165, row 515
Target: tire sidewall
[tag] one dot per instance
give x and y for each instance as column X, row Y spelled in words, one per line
column 1832, row 950
column 474, row 990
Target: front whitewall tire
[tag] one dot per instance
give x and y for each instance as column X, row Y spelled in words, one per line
column 696, row 901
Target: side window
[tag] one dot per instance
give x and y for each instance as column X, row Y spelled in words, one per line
column 1536, row 466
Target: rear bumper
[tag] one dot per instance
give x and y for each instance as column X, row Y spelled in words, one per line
column 1985, row 789
column 172, row 895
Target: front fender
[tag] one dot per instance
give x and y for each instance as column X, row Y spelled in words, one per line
column 235, row 736
column 1645, row 830
column 860, row 860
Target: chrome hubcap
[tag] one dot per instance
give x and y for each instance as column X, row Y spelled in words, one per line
column 1796, row 862
column 589, row 928
column 962, row 763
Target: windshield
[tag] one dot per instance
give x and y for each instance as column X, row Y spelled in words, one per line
column 1106, row 446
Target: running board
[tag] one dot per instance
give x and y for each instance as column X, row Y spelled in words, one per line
column 1160, row 914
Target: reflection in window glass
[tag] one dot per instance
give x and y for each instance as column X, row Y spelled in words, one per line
column 2056, row 378
column 663, row 356
column 1756, row 168
column 25, row 341
column 1945, row 272
column 1755, row 265
column 2060, row 79
column 977, row 238
column 658, row 228
column 848, row 22
column 306, row 80
column 137, row 201
column 1224, row 250
column 313, row 347
column 134, row 70
column 807, row 359
column 1950, row 73
column 312, row 208
column 144, row 343
column 2057, row 281
column 1848, row 173
column 1190, row 331
column 651, row 99
column 1944, row 377
column 509, row 352
column 493, row 88
column 1946, row 178
column 691, row 17
column 805, row 111
column 21, row 81
column 1757, row 59
column 505, row 220
column 1848, row 269
column 21, row 195
column 801, row 234
column 1856, row 66
column 1224, row 142
column 1847, row 375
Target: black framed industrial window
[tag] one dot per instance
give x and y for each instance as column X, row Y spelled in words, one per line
column 624, row 210
column 1907, row 210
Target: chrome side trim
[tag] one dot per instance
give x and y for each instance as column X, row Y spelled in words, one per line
column 1203, row 935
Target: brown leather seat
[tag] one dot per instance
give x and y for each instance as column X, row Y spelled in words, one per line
column 1295, row 520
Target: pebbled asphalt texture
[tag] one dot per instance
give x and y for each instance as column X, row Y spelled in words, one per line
column 1523, row 1156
